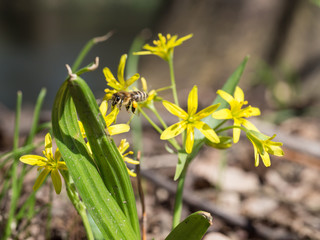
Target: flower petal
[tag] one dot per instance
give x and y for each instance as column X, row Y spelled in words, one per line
column 175, row 110
column 206, row 112
column 83, row 133
column 56, row 180
column 226, row 96
column 189, row 138
column 236, row 131
column 193, row 101
column 208, row 132
column 266, row 159
column 34, row 160
column 62, row 165
column 222, row 114
column 103, row 108
column 48, row 145
column 118, row 128
column 108, row 74
column 131, row 173
column 173, row 130
column 121, row 67
column 42, row 176
column 132, row 79
column 238, row 94
column 248, row 125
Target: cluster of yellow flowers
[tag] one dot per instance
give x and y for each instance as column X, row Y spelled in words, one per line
column 262, row 144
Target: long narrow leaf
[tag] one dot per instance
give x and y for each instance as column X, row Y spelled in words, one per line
column 106, row 154
column 105, row 211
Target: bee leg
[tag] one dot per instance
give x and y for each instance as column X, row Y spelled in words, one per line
column 120, row 104
column 129, row 105
column 134, row 106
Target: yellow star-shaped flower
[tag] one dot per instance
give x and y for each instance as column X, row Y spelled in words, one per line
column 123, row 146
column 48, row 164
column 121, row 84
column 263, row 146
column 236, row 112
column 190, row 120
column 164, row 46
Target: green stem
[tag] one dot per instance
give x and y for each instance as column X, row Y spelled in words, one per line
column 179, row 197
column 231, row 127
column 172, row 141
column 77, row 203
column 154, row 110
column 173, row 81
column 15, row 194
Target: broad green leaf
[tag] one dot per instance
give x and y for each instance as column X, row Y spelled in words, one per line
column 109, row 161
column 192, row 228
column 103, row 208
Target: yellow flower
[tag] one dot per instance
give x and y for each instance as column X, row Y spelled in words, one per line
column 190, row 121
column 263, row 146
column 236, row 113
column 121, row 84
column 48, row 164
column 164, row 46
column 123, row 146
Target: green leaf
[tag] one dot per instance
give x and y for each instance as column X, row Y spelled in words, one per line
column 182, row 159
column 109, row 161
column 103, row 208
column 192, row 228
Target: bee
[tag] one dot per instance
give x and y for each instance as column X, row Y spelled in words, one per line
column 128, row 99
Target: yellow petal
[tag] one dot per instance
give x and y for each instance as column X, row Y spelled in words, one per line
column 222, row 114
column 83, row 133
column 226, row 96
column 248, row 125
column 103, row 108
column 48, row 145
column 189, row 138
column 206, row 112
column 132, row 79
column 132, row 174
column 236, row 131
column 131, row 161
column 256, row 155
column 108, row 74
column 208, row 132
column 111, row 117
column 175, row 110
column 118, row 128
column 266, row 159
column 57, row 155
column 173, row 130
column 121, row 67
column 42, row 176
column 193, row 101
column 56, row 180
column 238, row 94
column 144, row 84
column 34, row 160
column 62, row 165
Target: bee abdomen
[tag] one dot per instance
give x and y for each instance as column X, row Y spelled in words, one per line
column 139, row 96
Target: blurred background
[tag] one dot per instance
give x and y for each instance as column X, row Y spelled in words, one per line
column 282, row 77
